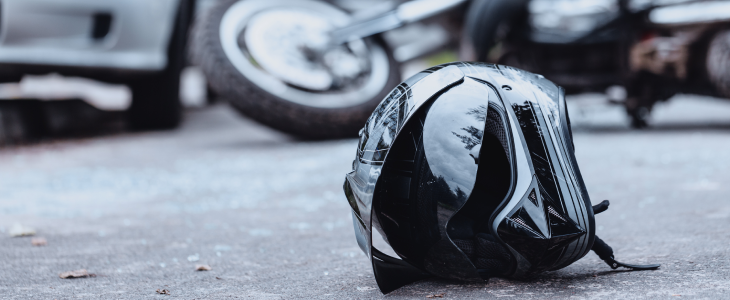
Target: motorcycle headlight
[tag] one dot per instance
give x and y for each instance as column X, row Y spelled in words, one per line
column 571, row 16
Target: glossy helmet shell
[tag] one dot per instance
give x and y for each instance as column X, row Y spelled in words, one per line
column 467, row 171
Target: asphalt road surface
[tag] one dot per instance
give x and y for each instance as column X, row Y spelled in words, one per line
column 266, row 212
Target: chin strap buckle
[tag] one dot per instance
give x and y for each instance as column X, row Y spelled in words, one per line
column 616, row 264
column 600, row 207
column 605, row 252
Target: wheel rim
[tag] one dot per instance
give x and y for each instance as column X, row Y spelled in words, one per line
column 275, row 65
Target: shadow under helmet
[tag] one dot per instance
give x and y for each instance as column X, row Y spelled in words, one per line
column 467, row 171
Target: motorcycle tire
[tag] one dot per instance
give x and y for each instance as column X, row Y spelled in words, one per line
column 291, row 114
column 156, row 98
column 718, row 63
column 486, row 24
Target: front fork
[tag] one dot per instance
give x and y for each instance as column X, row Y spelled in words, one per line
column 639, row 102
column 643, row 91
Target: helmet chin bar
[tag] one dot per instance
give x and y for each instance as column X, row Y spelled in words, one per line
column 538, row 229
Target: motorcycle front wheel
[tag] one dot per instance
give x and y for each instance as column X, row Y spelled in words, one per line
column 261, row 56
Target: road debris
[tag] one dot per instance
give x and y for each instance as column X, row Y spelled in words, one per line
column 163, row 292
column 76, row 274
column 194, row 257
column 203, row 268
column 38, row 241
column 20, row 230
column 365, row 288
column 436, row 295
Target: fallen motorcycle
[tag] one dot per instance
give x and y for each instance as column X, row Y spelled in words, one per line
column 308, row 68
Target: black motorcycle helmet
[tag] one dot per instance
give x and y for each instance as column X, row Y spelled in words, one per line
column 467, row 171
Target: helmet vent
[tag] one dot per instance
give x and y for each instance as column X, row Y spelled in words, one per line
column 486, row 254
column 522, row 223
column 495, row 125
column 552, row 211
column 533, row 197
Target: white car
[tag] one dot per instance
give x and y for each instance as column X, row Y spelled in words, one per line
column 139, row 43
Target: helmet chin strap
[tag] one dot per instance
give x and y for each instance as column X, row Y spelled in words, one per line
column 605, row 252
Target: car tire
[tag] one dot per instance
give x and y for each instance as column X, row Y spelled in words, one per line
column 21, row 121
column 156, row 98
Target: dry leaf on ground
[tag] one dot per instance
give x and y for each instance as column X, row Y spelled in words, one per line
column 39, row 241
column 20, row 230
column 203, row 268
column 75, row 274
column 162, row 291
column 436, row 295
